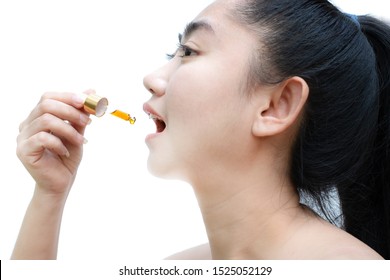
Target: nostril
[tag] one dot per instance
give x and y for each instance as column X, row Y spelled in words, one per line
column 155, row 83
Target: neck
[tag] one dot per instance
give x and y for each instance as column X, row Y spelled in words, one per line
column 249, row 215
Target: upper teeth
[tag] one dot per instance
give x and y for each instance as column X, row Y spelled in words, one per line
column 154, row 117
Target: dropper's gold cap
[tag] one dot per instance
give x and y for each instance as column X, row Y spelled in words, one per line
column 95, row 105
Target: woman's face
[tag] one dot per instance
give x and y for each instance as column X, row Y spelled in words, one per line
column 201, row 97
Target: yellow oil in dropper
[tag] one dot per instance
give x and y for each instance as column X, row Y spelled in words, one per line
column 124, row 116
column 97, row 106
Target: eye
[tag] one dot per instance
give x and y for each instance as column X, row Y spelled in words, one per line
column 182, row 51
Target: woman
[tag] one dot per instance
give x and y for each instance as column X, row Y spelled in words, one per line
column 263, row 105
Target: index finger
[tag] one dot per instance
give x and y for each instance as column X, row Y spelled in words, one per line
column 65, row 105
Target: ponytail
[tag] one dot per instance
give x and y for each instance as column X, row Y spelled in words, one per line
column 376, row 233
column 343, row 143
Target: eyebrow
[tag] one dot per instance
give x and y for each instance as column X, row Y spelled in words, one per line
column 195, row 26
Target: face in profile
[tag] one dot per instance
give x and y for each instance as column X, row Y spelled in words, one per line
column 199, row 99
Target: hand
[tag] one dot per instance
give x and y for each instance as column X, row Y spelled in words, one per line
column 50, row 142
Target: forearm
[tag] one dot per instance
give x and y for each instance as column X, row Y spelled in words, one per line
column 39, row 233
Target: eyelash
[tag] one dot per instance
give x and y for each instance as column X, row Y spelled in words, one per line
column 186, row 51
column 181, row 48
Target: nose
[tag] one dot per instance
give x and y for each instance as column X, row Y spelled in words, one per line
column 156, row 82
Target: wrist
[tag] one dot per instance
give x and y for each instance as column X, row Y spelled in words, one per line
column 50, row 201
column 39, row 234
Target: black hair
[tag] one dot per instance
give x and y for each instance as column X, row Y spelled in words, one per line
column 344, row 138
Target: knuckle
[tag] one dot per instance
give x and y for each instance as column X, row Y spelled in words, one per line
column 21, row 126
column 19, row 151
column 41, row 137
column 46, row 95
column 46, row 119
column 18, row 139
column 45, row 105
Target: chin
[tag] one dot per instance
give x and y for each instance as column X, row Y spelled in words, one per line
column 163, row 169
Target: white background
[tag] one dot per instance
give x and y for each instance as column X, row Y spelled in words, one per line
column 116, row 209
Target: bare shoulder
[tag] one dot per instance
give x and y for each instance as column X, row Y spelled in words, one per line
column 332, row 243
column 318, row 240
column 201, row 252
column 350, row 248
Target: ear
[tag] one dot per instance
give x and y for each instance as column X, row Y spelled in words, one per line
column 284, row 105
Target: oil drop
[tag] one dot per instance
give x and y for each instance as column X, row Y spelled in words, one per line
column 124, row 116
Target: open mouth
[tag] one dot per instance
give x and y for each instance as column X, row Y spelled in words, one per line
column 160, row 124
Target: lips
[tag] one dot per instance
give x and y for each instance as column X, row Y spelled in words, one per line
column 158, row 120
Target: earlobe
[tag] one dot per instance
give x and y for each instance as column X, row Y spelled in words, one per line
column 283, row 108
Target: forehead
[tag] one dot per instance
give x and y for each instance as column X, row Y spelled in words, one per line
column 228, row 36
column 220, row 16
column 218, row 10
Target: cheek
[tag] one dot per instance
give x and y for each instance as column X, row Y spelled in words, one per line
column 204, row 115
column 201, row 92
column 194, row 108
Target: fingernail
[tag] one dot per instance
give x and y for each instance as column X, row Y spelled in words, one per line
column 85, row 120
column 78, row 99
column 67, row 154
column 82, row 139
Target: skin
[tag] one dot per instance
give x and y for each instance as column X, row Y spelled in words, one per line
column 51, row 150
column 230, row 142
